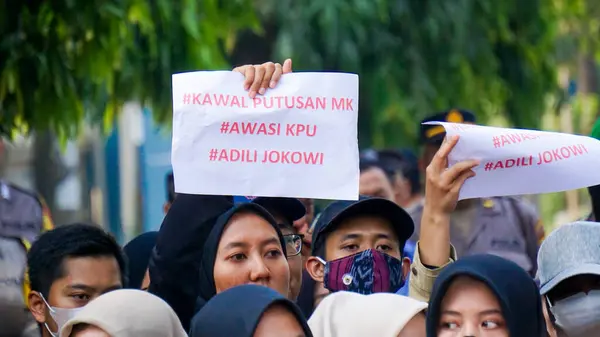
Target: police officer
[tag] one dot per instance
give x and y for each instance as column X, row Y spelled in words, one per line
column 504, row 226
column 23, row 216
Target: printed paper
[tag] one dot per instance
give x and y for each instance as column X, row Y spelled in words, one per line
column 518, row 161
column 298, row 140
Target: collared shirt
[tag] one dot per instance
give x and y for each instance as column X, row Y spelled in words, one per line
column 422, row 278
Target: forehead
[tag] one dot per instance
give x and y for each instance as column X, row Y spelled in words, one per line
column 246, row 225
column 466, row 294
column 366, row 225
column 278, row 320
column 97, row 272
column 373, row 175
column 86, row 330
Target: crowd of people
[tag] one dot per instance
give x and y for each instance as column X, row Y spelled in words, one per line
column 406, row 259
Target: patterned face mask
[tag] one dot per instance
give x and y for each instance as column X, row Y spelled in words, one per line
column 367, row 272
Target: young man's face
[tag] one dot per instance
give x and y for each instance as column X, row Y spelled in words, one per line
column 359, row 234
column 356, row 235
column 84, row 279
column 374, row 183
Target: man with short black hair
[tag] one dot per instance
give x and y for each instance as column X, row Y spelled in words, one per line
column 407, row 179
column 375, row 180
column 355, row 241
column 68, row 267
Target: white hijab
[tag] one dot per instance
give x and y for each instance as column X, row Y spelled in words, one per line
column 346, row 314
column 128, row 313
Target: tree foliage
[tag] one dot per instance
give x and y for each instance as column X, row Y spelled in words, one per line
column 419, row 57
column 61, row 61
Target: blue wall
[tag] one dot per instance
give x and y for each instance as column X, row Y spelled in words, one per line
column 113, row 194
column 155, row 164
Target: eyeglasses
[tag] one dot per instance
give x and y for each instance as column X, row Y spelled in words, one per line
column 293, row 244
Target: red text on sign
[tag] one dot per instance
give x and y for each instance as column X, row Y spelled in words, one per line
column 221, row 100
column 561, row 153
column 509, row 163
column 270, row 102
column 266, row 157
column 290, row 102
column 268, row 129
column 344, row 104
column 541, row 158
column 300, row 130
column 513, row 138
column 247, row 128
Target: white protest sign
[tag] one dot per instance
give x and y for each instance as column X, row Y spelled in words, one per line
column 518, row 161
column 298, row 140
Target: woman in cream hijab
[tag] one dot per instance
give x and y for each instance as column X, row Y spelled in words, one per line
column 125, row 313
column 346, row 314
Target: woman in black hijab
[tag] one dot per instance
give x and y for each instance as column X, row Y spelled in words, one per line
column 138, row 253
column 245, row 246
column 484, row 296
column 249, row 311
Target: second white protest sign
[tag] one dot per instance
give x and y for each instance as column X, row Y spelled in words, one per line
column 517, row 161
column 298, row 140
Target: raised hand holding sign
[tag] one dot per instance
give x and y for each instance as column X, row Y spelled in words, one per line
column 516, row 162
column 297, row 140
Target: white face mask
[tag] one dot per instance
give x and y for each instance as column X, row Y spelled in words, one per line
column 579, row 315
column 60, row 316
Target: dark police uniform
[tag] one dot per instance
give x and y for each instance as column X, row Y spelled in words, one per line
column 504, row 226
